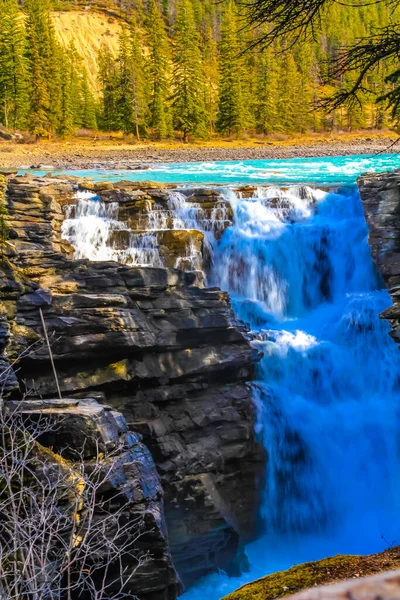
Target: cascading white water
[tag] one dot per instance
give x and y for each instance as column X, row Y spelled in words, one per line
column 297, row 265
column 93, row 229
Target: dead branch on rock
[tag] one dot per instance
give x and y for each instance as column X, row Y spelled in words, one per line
column 66, row 528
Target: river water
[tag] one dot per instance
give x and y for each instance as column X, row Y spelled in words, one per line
column 297, row 264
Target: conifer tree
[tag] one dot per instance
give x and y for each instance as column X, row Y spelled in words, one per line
column 66, row 121
column 137, row 78
column 233, row 114
column 13, row 93
column 188, row 77
column 124, row 90
column 39, row 56
column 53, row 58
column 38, row 119
column 267, row 119
column 157, row 68
column 211, row 75
column 109, row 79
column 305, row 87
column 288, row 99
column 88, row 105
column 132, row 105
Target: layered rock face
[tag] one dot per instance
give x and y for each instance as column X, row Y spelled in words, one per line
column 151, row 343
column 128, row 482
column 380, row 195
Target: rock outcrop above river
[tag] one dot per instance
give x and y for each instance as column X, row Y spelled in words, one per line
column 380, row 195
column 152, row 344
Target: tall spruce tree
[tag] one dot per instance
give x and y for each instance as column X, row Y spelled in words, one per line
column 267, row 119
column 13, row 83
column 132, row 102
column 211, row 75
column 158, row 65
column 88, row 106
column 233, row 116
column 66, row 121
column 39, row 57
column 124, row 90
column 137, row 80
column 288, row 100
column 188, row 100
column 109, row 79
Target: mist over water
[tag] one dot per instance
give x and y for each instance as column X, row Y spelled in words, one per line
column 297, row 264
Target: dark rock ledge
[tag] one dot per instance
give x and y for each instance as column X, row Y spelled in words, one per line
column 149, row 343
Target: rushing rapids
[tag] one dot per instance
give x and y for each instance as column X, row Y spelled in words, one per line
column 297, row 265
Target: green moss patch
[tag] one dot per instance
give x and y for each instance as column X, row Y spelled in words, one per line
column 321, row 572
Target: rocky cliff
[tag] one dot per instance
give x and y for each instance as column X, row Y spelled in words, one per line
column 380, row 195
column 150, row 343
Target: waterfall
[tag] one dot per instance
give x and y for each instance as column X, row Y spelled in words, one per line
column 298, row 267
column 94, row 229
column 297, row 264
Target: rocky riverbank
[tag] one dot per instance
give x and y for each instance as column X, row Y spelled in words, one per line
column 102, row 153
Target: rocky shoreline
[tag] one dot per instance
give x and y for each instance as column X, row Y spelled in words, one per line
column 99, row 155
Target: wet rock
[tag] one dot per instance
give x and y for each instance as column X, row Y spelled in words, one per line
column 181, row 248
column 81, row 430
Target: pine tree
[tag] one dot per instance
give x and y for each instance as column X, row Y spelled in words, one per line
column 157, row 69
column 38, row 120
column 305, row 87
column 267, row 119
column 211, row 74
column 125, row 91
column 188, row 78
column 41, row 65
column 138, row 84
column 13, row 84
column 109, row 80
column 53, row 58
column 288, row 99
column 66, row 121
column 233, row 114
column 88, row 110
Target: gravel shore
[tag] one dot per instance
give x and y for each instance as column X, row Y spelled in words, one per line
column 77, row 156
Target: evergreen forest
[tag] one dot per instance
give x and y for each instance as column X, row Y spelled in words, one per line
column 184, row 68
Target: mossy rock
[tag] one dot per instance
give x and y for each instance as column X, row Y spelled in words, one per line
column 96, row 186
column 321, row 572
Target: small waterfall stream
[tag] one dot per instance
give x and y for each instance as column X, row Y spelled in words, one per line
column 297, row 264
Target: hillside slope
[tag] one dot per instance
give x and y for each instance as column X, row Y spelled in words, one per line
column 88, row 30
